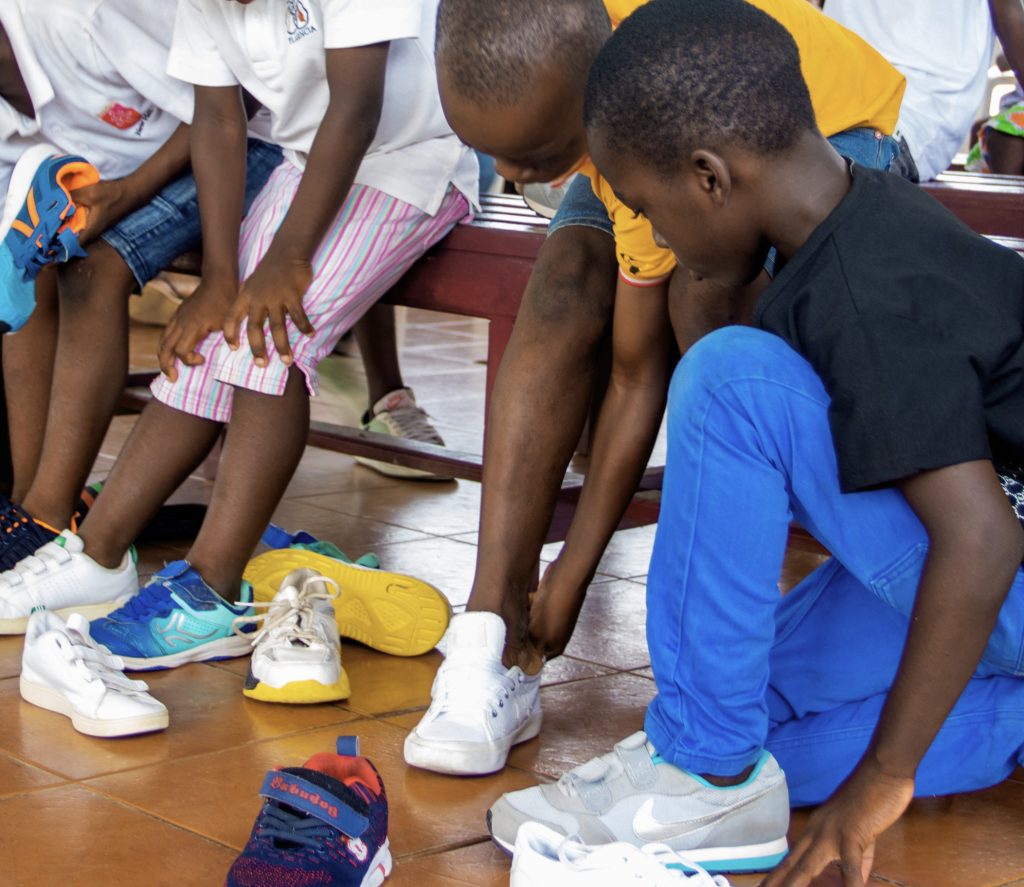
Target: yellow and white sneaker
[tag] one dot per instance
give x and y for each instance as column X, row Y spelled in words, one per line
column 296, row 654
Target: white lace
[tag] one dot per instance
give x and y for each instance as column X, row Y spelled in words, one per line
column 294, row 619
column 411, row 422
column 97, row 663
column 464, row 687
column 648, row 864
column 50, row 558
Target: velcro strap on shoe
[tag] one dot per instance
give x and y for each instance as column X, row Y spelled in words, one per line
column 348, row 746
column 311, row 799
column 595, row 795
column 278, row 537
column 638, row 765
column 67, row 246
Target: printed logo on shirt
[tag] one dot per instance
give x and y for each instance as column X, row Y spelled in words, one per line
column 119, row 116
column 298, row 22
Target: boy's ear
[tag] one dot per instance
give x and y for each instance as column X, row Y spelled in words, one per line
column 712, row 174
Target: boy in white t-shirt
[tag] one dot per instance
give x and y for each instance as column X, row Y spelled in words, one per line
column 372, row 177
column 87, row 78
column 944, row 49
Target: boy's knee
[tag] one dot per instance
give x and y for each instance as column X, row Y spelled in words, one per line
column 572, row 288
column 101, row 275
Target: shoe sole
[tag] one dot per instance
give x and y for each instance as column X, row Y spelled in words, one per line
column 716, row 860
column 390, row 612
column 51, row 700
column 23, row 175
column 301, row 692
column 89, row 611
column 455, row 758
column 224, row 648
column 401, row 472
column 380, row 867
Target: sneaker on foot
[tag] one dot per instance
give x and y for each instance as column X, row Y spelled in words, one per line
column 632, row 795
column 20, row 534
column 176, row 619
column 322, row 824
column 479, row 709
column 64, row 670
column 390, row 612
column 544, row 857
column 61, row 577
column 397, row 414
column 296, row 655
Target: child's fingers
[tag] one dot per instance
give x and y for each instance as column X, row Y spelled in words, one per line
column 298, row 316
column 257, row 341
column 166, row 354
column 233, row 321
column 279, row 333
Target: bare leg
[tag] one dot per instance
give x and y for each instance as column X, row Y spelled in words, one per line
column 697, row 307
column 265, row 440
column 28, row 375
column 548, row 370
column 1006, row 153
column 88, row 379
column 165, row 446
column 378, row 347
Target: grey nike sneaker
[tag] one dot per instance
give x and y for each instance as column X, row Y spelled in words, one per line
column 632, row 795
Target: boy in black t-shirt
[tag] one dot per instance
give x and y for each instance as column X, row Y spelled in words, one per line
column 878, row 403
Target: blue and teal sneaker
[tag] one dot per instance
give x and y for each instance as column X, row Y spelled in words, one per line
column 390, row 612
column 176, row 619
column 322, row 825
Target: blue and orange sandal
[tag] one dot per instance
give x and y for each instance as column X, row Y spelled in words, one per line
column 44, row 222
column 322, row 824
column 390, row 612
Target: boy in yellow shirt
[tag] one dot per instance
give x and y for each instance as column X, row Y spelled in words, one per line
column 512, row 87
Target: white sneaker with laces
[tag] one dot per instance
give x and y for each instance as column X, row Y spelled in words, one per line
column 479, row 709
column 296, row 653
column 397, row 414
column 544, row 857
column 61, row 577
column 65, row 671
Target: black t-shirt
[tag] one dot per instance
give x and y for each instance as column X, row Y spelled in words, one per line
column 916, row 326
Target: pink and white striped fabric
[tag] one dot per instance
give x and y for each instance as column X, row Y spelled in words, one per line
column 372, row 242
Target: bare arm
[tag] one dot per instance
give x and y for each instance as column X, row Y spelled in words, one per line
column 356, row 81
column 630, row 416
column 1008, row 20
column 975, row 550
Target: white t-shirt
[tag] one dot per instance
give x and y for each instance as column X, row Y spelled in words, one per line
column 95, row 72
column 276, row 51
column 943, row 48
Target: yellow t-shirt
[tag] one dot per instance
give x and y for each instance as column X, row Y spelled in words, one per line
column 851, row 86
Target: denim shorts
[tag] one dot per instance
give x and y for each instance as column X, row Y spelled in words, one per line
column 581, row 206
column 150, row 238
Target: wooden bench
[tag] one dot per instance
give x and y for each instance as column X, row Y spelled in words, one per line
column 987, row 203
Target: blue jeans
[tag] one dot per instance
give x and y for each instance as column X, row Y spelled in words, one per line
column 739, row 668
column 150, row 238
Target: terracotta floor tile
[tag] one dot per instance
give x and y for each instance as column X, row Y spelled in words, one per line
column 439, row 508
column 99, row 843
column 207, row 711
column 353, row 535
column 444, row 563
column 612, row 626
column 582, row 720
column 17, row 776
column 628, row 554
column 478, row 865
column 229, row 782
column 10, row 655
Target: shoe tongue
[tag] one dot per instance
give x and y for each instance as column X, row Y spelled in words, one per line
column 394, row 400
column 476, row 636
column 79, row 624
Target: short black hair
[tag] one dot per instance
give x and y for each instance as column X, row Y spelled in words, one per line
column 492, row 50
column 682, row 74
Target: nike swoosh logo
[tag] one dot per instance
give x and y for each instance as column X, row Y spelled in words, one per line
column 651, row 829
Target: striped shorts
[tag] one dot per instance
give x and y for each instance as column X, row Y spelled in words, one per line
column 371, row 243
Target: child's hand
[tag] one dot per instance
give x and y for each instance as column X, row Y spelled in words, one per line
column 105, row 203
column 199, row 315
column 554, row 609
column 274, row 292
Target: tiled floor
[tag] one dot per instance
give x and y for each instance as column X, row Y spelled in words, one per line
column 174, row 808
